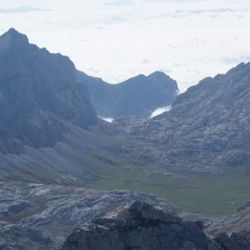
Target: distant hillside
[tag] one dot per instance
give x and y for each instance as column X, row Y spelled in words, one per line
column 136, row 97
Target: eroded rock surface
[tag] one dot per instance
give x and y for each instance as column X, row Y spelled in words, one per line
column 57, row 211
column 41, row 217
column 39, row 94
column 233, row 232
column 207, row 128
column 140, row 226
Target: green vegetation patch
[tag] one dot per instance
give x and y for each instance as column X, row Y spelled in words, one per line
column 210, row 195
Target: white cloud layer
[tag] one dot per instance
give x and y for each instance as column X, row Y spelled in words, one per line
column 116, row 39
column 20, row 9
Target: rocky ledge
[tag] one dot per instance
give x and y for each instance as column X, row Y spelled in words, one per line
column 140, row 226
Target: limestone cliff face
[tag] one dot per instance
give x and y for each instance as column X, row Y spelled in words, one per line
column 39, row 94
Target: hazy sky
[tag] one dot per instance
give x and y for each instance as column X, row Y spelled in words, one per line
column 117, row 39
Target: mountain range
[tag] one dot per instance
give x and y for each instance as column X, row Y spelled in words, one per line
column 48, row 121
column 56, row 155
column 206, row 128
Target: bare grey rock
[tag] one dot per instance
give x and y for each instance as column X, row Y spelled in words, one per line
column 119, row 217
column 15, row 237
column 232, row 232
column 207, row 128
column 39, row 94
column 235, row 223
column 236, row 241
column 140, row 226
column 59, row 210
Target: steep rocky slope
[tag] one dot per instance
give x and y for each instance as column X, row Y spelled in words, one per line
column 238, row 222
column 47, row 119
column 39, row 94
column 232, row 232
column 80, row 157
column 207, row 127
column 136, row 97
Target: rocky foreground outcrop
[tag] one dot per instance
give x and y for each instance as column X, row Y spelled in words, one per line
column 233, row 232
column 235, row 223
column 140, row 226
column 38, row 216
column 42, row 217
column 146, row 227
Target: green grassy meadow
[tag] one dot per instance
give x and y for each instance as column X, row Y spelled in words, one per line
column 210, row 195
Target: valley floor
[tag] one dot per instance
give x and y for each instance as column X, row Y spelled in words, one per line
column 207, row 194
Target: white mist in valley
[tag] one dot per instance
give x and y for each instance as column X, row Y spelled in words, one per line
column 106, row 119
column 160, row 111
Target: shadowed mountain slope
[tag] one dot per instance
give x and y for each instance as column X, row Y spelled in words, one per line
column 39, row 94
column 46, row 118
column 136, row 97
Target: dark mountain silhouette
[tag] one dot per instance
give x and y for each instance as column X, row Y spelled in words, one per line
column 39, row 94
column 136, row 97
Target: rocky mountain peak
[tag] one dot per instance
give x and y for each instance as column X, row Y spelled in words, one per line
column 138, row 77
column 39, row 94
column 13, row 39
column 141, row 211
column 159, row 75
